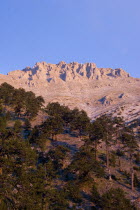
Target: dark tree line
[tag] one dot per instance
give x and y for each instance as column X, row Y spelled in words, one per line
column 23, row 102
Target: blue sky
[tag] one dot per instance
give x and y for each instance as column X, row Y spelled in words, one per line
column 104, row 32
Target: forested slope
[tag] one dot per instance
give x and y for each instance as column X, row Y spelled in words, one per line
column 67, row 161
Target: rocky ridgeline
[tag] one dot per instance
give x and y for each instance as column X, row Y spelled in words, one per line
column 67, row 72
column 96, row 90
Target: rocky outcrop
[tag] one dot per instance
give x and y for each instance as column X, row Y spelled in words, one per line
column 86, row 86
column 106, row 100
column 67, row 72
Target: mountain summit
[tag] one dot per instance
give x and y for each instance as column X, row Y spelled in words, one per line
column 67, row 72
column 96, row 90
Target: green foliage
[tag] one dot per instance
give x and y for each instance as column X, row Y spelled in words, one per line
column 23, row 102
column 27, row 124
column 18, row 172
column 107, row 128
column 6, row 93
column 51, row 170
column 120, row 153
column 34, row 135
column 95, row 196
column 80, row 121
column 54, row 109
column 18, row 100
column 40, row 101
column 3, row 124
column 57, row 156
column 105, row 131
column 137, row 158
column 32, row 104
column 1, row 107
column 27, row 128
column 115, row 199
column 8, row 115
column 53, row 126
column 41, row 141
column 3, row 205
column 112, row 159
column 84, row 163
column 38, row 137
column 129, row 141
column 73, row 192
column 136, row 181
column 57, row 200
column 17, row 127
column 33, row 176
column 96, row 131
column 75, row 119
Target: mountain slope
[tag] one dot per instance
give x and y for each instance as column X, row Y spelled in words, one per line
column 96, row 90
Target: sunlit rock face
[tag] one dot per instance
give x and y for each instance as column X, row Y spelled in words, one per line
column 96, row 90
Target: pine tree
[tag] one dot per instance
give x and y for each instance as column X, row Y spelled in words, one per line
column 131, row 145
column 115, row 199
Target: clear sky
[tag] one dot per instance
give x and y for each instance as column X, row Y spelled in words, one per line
column 105, row 32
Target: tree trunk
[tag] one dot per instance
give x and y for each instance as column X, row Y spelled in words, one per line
column 109, row 174
column 95, row 150
column 119, row 158
column 132, row 179
column 120, row 167
column 107, row 162
column 107, row 157
column 132, row 173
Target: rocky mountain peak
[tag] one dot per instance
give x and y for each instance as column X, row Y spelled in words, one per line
column 69, row 72
column 96, row 90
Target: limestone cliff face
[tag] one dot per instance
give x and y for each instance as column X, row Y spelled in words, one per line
column 67, row 72
column 83, row 85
